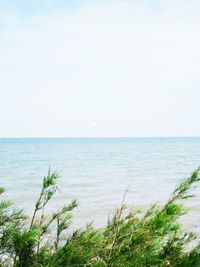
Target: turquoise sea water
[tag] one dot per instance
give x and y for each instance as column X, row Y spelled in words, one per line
column 97, row 171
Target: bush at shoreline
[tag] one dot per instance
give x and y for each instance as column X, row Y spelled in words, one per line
column 131, row 238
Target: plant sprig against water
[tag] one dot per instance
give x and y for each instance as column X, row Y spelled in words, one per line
column 132, row 239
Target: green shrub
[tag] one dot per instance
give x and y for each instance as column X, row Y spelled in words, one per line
column 154, row 238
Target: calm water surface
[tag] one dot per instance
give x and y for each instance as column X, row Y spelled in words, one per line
column 97, row 171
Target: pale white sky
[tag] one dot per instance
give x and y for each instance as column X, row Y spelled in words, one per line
column 99, row 68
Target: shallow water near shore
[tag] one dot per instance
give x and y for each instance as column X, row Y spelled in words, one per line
column 97, row 172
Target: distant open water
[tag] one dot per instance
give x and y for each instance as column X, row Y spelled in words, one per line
column 97, row 172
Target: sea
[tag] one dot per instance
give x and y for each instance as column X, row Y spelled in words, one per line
column 99, row 172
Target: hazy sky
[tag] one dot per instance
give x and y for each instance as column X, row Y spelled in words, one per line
column 99, row 68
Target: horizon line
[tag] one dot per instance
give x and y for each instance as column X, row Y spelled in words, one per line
column 81, row 137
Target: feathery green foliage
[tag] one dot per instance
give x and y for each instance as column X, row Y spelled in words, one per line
column 154, row 238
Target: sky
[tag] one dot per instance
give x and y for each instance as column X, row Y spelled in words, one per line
column 99, row 68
